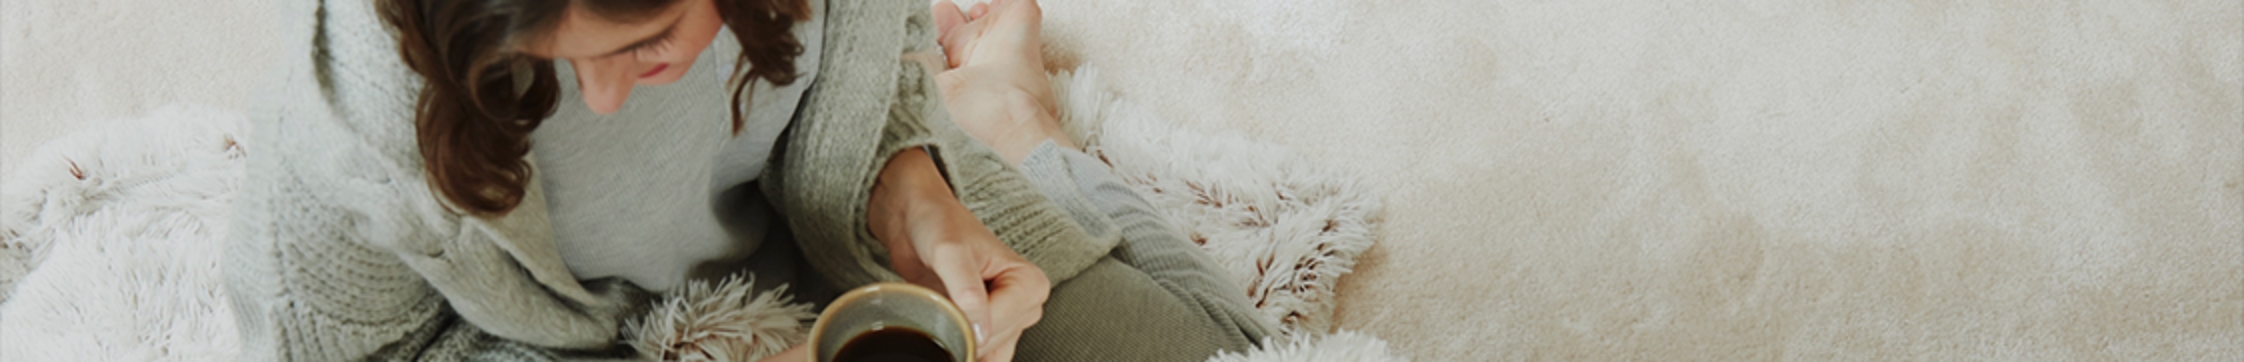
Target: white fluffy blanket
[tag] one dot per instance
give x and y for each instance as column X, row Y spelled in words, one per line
column 118, row 230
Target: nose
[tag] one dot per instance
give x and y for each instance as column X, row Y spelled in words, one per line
column 605, row 84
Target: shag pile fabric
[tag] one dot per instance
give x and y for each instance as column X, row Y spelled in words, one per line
column 727, row 321
column 1287, row 226
column 119, row 229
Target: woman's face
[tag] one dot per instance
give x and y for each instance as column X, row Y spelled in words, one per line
column 611, row 57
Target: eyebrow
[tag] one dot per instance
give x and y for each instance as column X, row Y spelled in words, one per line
column 650, row 40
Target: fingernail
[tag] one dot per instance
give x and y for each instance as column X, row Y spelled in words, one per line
column 978, row 335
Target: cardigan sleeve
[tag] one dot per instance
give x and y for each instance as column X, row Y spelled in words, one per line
column 338, row 250
column 829, row 159
column 492, row 275
column 331, row 261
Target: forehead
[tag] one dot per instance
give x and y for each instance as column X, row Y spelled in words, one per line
column 580, row 33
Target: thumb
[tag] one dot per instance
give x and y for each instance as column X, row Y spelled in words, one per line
column 947, row 17
column 963, row 281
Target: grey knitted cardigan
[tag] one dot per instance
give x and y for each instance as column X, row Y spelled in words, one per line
column 341, row 251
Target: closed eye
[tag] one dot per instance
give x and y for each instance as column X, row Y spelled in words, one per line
column 650, row 43
column 655, row 43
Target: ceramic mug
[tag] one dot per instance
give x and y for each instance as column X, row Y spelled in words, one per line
column 893, row 308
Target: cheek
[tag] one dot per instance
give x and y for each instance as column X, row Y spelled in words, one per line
column 683, row 55
column 681, row 52
column 694, row 36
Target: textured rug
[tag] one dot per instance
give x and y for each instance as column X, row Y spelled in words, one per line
column 111, row 245
column 1605, row 179
column 109, row 242
column 1742, row 179
column 1288, row 226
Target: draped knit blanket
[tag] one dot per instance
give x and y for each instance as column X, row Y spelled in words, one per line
column 109, row 239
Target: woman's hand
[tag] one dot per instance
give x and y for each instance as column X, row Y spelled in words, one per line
column 934, row 241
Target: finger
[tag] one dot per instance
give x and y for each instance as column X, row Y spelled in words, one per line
column 978, row 11
column 962, row 279
column 1000, row 347
column 948, row 22
column 1017, row 297
column 947, row 17
column 959, row 43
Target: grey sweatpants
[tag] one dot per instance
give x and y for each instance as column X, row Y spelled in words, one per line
column 1155, row 297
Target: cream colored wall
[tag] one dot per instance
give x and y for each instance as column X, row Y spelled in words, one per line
column 67, row 65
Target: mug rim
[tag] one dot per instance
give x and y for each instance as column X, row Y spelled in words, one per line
column 949, row 308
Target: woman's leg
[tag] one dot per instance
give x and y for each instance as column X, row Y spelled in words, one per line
column 1156, row 297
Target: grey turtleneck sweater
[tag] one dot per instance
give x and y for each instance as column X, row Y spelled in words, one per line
column 664, row 163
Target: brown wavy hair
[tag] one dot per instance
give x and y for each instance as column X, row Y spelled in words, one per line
column 481, row 96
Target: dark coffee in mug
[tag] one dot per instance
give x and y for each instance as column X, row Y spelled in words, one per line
column 892, row 344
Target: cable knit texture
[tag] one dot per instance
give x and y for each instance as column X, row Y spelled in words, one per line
column 874, row 70
column 341, row 251
column 339, row 248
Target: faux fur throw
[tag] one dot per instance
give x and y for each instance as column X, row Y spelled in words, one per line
column 109, row 246
column 1286, row 226
column 119, row 229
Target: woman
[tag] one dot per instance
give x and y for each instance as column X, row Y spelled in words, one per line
column 396, row 212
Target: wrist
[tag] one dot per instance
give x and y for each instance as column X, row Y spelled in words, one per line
column 909, row 188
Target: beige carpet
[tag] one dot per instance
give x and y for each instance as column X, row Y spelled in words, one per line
column 1611, row 179
column 1744, row 180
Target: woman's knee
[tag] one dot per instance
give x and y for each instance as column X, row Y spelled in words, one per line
column 1112, row 310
